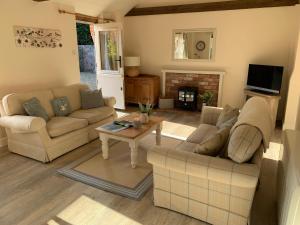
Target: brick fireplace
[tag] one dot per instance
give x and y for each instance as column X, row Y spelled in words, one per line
column 203, row 80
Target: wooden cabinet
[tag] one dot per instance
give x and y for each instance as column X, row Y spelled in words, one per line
column 143, row 89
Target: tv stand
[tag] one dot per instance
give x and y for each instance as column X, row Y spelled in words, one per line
column 272, row 99
column 262, row 92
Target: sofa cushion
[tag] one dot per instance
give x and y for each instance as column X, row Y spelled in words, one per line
column 186, row 146
column 61, row 106
column 91, row 99
column 228, row 113
column 72, row 92
column 213, row 144
column 243, row 143
column 33, row 107
column 58, row 126
column 13, row 103
column 93, row 115
column 201, row 133
column 229, row 123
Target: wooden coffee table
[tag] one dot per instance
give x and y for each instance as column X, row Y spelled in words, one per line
column 131, row 135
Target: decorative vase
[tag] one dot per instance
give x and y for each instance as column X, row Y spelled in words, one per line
column 137, row 123
column 144, row 118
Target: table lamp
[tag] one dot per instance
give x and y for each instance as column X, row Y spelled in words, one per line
column 132, row 64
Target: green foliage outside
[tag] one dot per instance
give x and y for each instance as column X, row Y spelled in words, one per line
column 112, row 48
column 83, row 34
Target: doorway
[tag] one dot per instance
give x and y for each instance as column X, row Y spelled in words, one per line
column 86, row 51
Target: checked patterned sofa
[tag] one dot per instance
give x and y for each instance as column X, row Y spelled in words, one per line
column 212, row 189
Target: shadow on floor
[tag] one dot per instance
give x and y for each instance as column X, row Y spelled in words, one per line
column 264, row 210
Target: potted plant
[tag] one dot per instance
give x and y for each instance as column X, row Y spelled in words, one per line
column 145, row 111
column 207, row 98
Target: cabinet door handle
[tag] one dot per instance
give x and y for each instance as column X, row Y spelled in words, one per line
column 121, row 88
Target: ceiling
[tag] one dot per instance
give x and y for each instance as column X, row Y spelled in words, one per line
column 99, row 7
column 152, row 3
column 121, row 7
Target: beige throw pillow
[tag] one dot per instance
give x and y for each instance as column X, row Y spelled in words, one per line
column 201, row 133
column 91, row 99
column 243, row 143
column 228, row 114
column 186, row 146
column 214, row 143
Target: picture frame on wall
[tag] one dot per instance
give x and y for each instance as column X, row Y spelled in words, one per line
column 31, row 37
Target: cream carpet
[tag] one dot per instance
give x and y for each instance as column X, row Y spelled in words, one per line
column 117, row 169
column 116, row 174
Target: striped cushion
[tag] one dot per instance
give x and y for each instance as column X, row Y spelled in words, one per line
column 243, row 143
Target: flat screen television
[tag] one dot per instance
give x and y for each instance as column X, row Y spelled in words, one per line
column 265, row 78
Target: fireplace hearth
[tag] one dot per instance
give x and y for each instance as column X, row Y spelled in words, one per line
column 187, row 98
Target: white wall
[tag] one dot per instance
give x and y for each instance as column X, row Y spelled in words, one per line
column 264, row 36
column 34, row 68
column 23, row 69
column 292, row 116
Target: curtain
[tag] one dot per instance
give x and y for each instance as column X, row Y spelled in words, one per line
column 105, row 61
column 181, row 46
column 108, row 50
column 92, row 31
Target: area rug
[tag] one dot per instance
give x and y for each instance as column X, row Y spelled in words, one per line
column 116, row 174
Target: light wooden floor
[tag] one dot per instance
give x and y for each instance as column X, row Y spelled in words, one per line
column 33, row 193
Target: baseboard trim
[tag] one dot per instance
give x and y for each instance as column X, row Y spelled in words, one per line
column 3, row 141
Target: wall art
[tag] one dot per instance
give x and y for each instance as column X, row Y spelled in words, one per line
column 30, row 37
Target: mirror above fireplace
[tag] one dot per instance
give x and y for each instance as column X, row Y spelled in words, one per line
column 197, row 44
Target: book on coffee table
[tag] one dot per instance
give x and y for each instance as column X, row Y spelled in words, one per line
column 117, row 126
column 124, row 123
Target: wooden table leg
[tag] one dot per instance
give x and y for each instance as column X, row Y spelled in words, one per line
column 158, row 134
column 134, row 153
column 104, row 140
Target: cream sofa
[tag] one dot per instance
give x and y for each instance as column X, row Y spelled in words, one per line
column 34, row 138
column 212, row 189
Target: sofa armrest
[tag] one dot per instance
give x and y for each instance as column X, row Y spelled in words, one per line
column 210, row 115
column 19, row 123
column 206, row 167
column 109, row 101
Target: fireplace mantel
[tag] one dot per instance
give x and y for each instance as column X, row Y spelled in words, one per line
column 193, row 72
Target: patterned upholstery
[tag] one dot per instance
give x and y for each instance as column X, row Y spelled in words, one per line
column 210, row 115
column 211, row 189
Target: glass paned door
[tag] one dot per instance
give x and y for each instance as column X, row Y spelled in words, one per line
column 110, row 69
column 109, row 50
